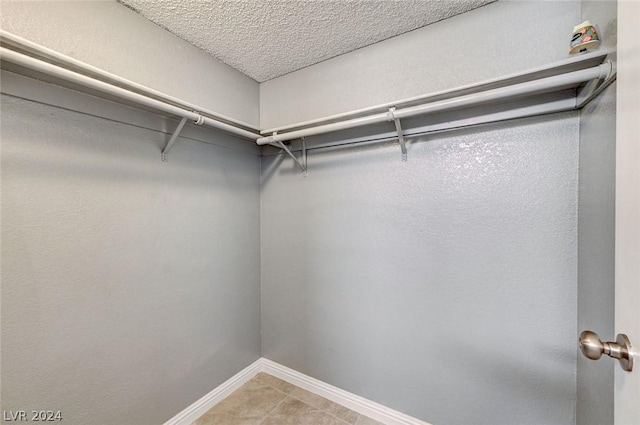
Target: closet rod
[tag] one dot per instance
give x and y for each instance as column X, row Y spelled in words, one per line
column 83, row 80
column 542, row 85
column 30, row 46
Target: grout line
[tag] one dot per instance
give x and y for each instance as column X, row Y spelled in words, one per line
column 274, row 409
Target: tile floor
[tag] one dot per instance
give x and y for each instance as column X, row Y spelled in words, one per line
column 267, row 400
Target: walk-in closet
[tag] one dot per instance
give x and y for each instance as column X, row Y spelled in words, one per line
column 371, row 211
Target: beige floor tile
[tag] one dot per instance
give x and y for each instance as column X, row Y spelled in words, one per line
column 294, row 412
column 267, row 400
column 328, row 406
column 363, row 420
column 274, row 382
column 251, row 401
column 212, row 418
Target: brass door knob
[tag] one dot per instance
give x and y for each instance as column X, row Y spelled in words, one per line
column 593, row 348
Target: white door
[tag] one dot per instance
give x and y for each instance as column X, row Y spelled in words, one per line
column 627, row 262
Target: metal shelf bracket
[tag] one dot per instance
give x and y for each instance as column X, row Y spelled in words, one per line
column 391, row 117
column 282, row 146
column 593, row 88
column 176, row 133
column 304, row 156
column 172, row 141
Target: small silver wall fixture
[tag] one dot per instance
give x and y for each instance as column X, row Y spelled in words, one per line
column 593, row 348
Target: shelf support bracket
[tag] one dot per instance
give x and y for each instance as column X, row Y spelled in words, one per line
column 172, row 141
column 392, row 117
column 304, row 156
column 593, row 88
column 286, row 149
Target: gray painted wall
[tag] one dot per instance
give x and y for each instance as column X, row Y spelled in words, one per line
column 488, row 42
column 112, row 37
column 443, row 287
column 596, row 232
column 130, row 287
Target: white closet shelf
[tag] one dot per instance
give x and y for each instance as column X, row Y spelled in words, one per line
column 42, row 53
column 570, row 73
column 589, row 73
column 570, row 64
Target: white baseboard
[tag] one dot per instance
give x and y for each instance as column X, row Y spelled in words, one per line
column 356, row 403
column 200, row 407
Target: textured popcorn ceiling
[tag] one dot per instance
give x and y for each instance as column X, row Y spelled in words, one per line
column 265, row 39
